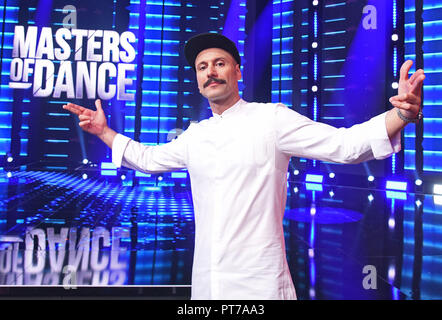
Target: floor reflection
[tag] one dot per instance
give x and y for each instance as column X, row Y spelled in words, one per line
column 57, row 229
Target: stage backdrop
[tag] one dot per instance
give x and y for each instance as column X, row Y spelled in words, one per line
column 335, row 62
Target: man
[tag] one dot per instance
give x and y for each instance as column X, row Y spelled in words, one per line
column 237, row 161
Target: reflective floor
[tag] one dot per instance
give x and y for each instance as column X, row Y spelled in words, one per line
column 60, row 231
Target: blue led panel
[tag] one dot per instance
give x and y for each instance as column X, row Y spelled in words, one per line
column 168, row 92
column 432, row 48
column 432, row 90
column 160, row 66
column 409, row 43
column 333, row 57
column 282, row 52
column 419, row 251
column 314, row 178
column 396, row 185
column 9, row 13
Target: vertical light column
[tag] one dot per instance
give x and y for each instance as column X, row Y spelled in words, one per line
column 9, row 18
column 282, row 52
column 314, row 61
column 410, row 53
column 432, row 90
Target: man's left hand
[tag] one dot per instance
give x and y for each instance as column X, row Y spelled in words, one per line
column 409, row 96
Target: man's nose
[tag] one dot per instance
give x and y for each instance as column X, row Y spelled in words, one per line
column 211, row 71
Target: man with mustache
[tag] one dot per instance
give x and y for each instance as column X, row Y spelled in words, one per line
column 237, row 161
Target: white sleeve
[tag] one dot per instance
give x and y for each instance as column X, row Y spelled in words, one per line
column 300, row 136
column 150, row 159
column 118, row 147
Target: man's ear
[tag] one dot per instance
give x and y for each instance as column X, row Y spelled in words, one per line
column 238, row 72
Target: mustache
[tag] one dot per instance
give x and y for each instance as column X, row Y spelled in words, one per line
column 213, row 79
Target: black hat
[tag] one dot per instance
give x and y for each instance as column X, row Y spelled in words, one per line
column 204, row 41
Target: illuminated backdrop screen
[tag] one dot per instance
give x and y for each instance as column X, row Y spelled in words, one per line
column 129, row 54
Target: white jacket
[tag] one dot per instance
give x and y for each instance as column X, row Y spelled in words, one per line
column 237, row 164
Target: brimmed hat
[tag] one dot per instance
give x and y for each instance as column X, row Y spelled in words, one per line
column 204, row 41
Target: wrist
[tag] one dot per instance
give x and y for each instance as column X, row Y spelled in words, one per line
column 408, row 117
column 103, row 133
column 107, row 136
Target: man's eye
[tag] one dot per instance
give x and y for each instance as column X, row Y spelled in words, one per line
column 220, row 64
column 202, row 68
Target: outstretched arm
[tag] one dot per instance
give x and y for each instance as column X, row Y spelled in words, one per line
column 408, row 100
column 93, row 122
column 125, row 151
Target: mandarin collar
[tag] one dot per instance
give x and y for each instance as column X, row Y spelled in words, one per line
column 230, row 111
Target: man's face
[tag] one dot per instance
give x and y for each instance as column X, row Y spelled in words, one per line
column 217, row 73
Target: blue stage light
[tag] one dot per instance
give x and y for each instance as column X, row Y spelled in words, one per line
column 331, row 175
column 418, row 182
column 112, row 173
column 437, row 189
column 179, row 175
column 142, row 174
column 391, row 223
column 396, row 195
column 108, row 165
column 316, row 178
column 151, row 188
column 370, row 197
column 9, row 174
column 108, row 169
column 313, row 187
column 84, row 176
column 370, row 178
column 85, row 161
column 391, row 273
column 10, row 159
column 396, row 185
column 312, row 293
column 437, row 200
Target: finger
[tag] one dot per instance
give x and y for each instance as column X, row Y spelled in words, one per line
column 396, row 104
column 415, row 76
column 398, row 97
column 406, row 106
column 405, row 69
column 417, row 85
column 98, row 105
column 406, row 97
column 83, row 117
column 74, row 108
column 84, row 123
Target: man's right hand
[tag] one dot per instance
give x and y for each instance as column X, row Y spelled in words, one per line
column 93, row 122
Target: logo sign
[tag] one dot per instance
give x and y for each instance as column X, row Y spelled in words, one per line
column 76, row 62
